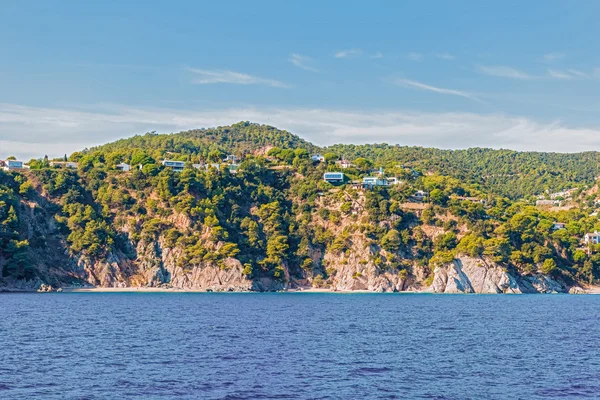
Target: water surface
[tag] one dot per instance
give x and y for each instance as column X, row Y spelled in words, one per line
column 298, row 346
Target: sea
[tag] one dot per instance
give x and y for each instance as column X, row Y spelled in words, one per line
column 298, row 346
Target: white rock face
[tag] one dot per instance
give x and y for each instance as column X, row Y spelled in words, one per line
column 472, row 275
column 577, row 290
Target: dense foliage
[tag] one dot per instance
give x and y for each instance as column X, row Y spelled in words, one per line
column 277, row 216
column 504, row 172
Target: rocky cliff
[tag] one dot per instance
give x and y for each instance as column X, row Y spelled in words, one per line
column 471, row 275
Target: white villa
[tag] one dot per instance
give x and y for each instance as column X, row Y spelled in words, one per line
column 592, row 238
column 334, row 177
column 177, row 166
column 64, row 164
column 123, row 167
column 372, row 181
column 9, row 165
column 344, row 163
column 318, row 158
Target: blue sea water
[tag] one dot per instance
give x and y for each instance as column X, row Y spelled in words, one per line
column 298, row 346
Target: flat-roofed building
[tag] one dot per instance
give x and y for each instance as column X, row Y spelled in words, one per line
column 177, row 166
column 9, row 165
column 334, row 177
column 123, row 167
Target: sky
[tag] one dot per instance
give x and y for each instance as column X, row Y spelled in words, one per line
column 522, row 75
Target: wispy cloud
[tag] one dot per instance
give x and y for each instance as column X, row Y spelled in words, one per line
column 550, row 57
column 350, row 53
column 551, row 73
column 557, row 74
column 303, row 62
column 377, row 55
column 415, row 56
column 205, row 77
column 577, row 73
column 423, row 86
column 445, row 56
column 503, row 71
column 32, row 131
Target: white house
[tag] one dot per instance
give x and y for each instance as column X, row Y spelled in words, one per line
column 318, row 158
column 64, row 164
column 177, row 166
column 592, row 238
column 420, row 195
column 9, row 165
column 372, row 181
column 344, row 163
column 231, row 159
column 123, row 167
column 558, row 226
column 334, row 177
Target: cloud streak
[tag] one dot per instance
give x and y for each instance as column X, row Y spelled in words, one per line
column 557, row 74
column 349, row 53
column 503, row 71
column 303, row 62
column 429, row 88
column 29, row 132
column 216, row 76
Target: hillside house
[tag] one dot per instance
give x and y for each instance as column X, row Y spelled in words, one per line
column 318, row 158
column 64, row 164
column 9, row 165
column 420, row 195
column 558, row 226
column 334, row 177
column 177, row 166
column 123, row 167
column 592, row 238
column 372, row 181
column 231, row 159
column 343, row 163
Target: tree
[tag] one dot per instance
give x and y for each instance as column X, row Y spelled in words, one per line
column 548, row 266
column 329, row 157
column 215, row 156
column 142, row 158
column 363, row 164
column 391, row 241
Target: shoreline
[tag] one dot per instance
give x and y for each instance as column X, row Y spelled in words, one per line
column 177, row 290
column 588, row 290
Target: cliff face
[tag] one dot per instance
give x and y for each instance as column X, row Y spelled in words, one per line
column 155, row 266
column 470, row 275
column 360, row 264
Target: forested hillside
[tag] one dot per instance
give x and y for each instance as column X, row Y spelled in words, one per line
column 267, row 220
column 506, row 172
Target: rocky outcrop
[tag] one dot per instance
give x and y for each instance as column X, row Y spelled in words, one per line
column 541, row 284
column 472, row 275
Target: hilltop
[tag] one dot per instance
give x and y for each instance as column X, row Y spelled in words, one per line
column 508, row 173
column 247, row 208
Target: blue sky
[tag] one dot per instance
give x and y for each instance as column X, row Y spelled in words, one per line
column 513, row 74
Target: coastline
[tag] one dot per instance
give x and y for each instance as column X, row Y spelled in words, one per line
column 177, row 290
column 587, row 290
